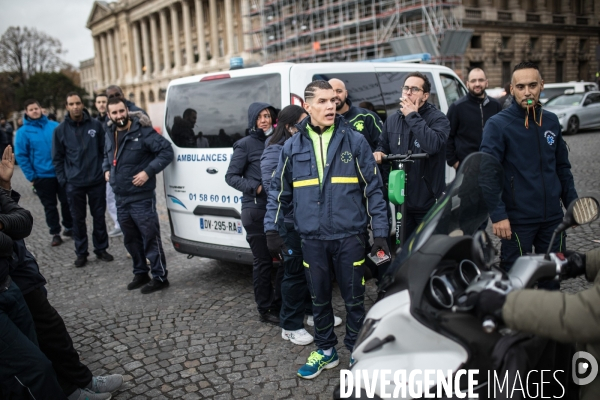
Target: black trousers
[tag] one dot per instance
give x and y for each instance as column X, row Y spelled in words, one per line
column 56, row 344
column 295, row 297
column 48, row 189
column 78, row 198
column 266, row 298
column 346, row 258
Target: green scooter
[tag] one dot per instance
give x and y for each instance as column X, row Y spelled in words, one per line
column 396, row 185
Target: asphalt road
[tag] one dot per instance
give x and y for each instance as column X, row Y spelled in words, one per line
column 201, row 337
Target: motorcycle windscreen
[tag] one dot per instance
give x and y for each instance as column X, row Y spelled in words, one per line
column 466, row 205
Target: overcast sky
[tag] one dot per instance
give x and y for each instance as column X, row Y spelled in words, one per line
column 63, row 19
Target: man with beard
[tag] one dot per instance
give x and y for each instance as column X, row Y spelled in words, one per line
column 362, row 121
column 467, row 118
column 133, row 155
column 77, row 153
column 418, row 127
column 528, row 142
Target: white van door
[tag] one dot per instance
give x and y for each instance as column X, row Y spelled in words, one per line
column 202, row 207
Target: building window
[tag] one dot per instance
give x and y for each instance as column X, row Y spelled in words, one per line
column 582, row 45
column 476, row 42
column 506, row 42
column 559, row 72
column 506, row 72
column 221, row 50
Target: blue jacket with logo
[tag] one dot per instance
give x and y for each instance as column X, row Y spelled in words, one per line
column 537, row 172
column 78, row 151
column 33, row 148
column 425, row 131
column 141, row 149
column 351, row 194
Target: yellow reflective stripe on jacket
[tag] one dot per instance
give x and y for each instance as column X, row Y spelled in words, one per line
column 306, row 182
column 344, row 179
column 357, row 263
column 305, row 264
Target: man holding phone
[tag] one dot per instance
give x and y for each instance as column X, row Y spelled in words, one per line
column 418, row 127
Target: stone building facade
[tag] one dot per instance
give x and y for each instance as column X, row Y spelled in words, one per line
column 141, row 45
column 561, row 36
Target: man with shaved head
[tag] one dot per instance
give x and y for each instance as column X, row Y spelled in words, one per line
column 115, row 91
column 362, row 121
column 467, row 117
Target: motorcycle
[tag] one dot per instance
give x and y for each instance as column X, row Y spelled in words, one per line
column 425, row 322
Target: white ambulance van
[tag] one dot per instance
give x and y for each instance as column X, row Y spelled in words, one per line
column 204, row 212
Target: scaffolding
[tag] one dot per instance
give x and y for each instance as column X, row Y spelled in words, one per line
column 345, row 30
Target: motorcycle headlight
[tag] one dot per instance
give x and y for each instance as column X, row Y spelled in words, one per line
column 366, row 330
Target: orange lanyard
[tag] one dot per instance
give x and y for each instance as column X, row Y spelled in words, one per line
column 116, row 149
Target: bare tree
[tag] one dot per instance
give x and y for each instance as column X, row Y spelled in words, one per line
column 28, row 51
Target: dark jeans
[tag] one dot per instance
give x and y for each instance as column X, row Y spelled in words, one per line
column 78, row 198
column 22, row 364
column 141, row 237
column 266, row 298
column 524, row 238
column 48, row 189
column 55, row 342
column 295, row 297
column 347, row 257
column 411, row 221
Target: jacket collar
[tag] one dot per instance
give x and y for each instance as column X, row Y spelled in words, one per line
column 86, row 118
column 38, row 123
column 483, row 101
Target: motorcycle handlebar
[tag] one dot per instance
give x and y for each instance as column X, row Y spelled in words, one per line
column 404, row 157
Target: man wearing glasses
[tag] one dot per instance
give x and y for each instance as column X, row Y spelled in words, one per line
column 420, row 128
column 467, row 117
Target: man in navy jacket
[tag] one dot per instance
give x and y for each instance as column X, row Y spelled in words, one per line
column 537, row 174
column 420, row 128
column 327, row 173
column 134, row 154
column 77, row 153
column 468, row 116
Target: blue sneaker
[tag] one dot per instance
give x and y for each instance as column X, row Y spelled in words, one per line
column 317, row 362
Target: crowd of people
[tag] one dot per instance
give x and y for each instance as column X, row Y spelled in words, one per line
column 314, row 194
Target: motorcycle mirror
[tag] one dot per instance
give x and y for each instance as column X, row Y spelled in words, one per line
column 581, row 211
column 482, row 249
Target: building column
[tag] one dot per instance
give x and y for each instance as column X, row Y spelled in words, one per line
column 214, row 30
column 187, row 33
column 229, row 27
column 154, row 41
column 111, row 57
column 565, row 7
column 118, row 49
column 514, row 4
column 200, row 31
column 175, row 34
column 145, row 47
column 98, row 60
column 247, row 25
column 136, row 50
column 540, row 5
column 165, row 40
column 105, row 71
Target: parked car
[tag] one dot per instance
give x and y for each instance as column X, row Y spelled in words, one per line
column 555, row 89
column 576, row 110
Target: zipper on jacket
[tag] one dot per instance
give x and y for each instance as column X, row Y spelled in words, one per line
column 537, row 138
column 481, row 109
column 322, row 158
column 512, row 186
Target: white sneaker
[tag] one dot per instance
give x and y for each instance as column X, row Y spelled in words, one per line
column 337, row 321
column 301, row 336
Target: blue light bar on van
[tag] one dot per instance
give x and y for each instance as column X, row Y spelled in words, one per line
column 418, row 57
column 215, row 77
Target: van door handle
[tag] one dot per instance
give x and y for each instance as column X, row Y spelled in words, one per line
column 212, row 170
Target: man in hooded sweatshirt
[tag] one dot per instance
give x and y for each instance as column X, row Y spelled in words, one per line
column 77, row 154
column 244, row 174
column 33, row 151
